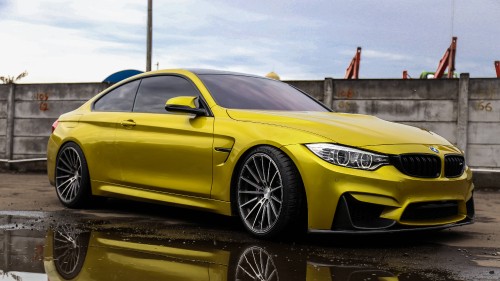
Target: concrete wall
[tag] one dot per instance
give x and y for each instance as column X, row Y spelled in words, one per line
column 465, row 111
column 4, row 94
column 25, row 124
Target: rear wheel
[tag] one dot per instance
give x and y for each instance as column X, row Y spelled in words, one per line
column 268, row 194
column 72, row 177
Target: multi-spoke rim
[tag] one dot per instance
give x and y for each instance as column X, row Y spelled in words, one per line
column 68, row 174
column 260, row 193
column 67, row 250
column 256, row 264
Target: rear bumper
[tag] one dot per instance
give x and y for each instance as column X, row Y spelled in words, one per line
column 52, row 150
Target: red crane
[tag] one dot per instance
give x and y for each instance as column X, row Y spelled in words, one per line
column 406, row 75
column 448, row 61
column 497, row 68
column 352, row 71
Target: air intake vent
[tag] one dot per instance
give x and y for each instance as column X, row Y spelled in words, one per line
column 430, row 211
column 454, row 166
column 418, row 165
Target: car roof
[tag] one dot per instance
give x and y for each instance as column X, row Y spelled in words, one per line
column 202, row 71
column 195, row 71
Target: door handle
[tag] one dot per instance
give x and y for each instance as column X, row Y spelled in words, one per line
column 128, row 123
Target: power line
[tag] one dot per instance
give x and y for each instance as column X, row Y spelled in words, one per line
column 452, row 17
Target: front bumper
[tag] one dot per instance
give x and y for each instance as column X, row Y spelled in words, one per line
column 466, row 221
column 350, row 200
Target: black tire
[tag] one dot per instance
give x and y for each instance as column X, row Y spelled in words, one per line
column 69, row 251
column 255, row 263
column 72, row 179
column 270, row 262
column 268, row 193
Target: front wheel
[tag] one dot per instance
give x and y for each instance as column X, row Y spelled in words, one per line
column 268, row 192
column 72, row 177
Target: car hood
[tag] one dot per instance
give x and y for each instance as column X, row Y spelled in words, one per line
column 349, row 129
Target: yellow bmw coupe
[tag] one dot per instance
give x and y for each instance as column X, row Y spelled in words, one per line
column 239, row 144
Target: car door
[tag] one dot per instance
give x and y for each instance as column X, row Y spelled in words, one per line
column 163, row 151
column 99, row 130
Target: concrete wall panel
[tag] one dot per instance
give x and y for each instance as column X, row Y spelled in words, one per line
column 483, row 156
column 3, row 109
column 395, row 89
column 3, row 127
column 445, row 129
column 484, row 111
column 3, row 140
column 4, row 91
column 484, row 88
column 484, row 133
column 30, row 145
column 40, row 127
column 63, row 91
column 401, row 110
column 313, row 88
column 52, row 109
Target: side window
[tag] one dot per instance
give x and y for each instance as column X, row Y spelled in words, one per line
column 155, row 91
column 119, row 99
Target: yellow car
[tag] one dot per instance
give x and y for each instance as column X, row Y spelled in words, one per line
column 239, row 144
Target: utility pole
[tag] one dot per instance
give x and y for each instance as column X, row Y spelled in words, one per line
column 150, row 35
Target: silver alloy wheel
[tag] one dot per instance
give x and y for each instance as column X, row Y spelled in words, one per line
column 260, row 193
column 68, row 174
column 256, row 264
column 67, row 251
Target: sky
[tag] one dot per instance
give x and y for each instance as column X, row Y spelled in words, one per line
column 85, row 41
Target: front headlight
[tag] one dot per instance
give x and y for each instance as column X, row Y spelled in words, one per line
column 348, row 157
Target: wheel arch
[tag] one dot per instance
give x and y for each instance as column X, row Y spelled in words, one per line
column 238, row 165
column 54, row 146
column 79, row 144
column 74, row 189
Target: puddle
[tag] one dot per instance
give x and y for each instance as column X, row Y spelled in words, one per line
column 60, row 247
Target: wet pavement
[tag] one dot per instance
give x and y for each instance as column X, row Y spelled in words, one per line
column 124, row 240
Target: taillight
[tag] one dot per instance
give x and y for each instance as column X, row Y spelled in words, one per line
column 54, row 125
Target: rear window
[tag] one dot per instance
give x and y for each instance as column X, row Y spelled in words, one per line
column 247, row 92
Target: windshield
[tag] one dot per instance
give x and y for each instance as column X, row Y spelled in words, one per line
column 247, row 92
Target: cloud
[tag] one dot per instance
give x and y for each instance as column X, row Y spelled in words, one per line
column 73, row 57
column 73, row 41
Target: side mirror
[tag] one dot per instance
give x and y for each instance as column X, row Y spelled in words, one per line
column 184, row 104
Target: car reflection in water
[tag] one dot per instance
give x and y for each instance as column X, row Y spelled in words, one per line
column 71, row 254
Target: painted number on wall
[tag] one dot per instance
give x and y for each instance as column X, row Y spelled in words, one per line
column 346, row 94
column 43, row 98
column 344, row 105
column 484, row 106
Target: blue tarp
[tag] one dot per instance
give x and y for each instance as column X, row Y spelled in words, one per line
column 120, row 75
